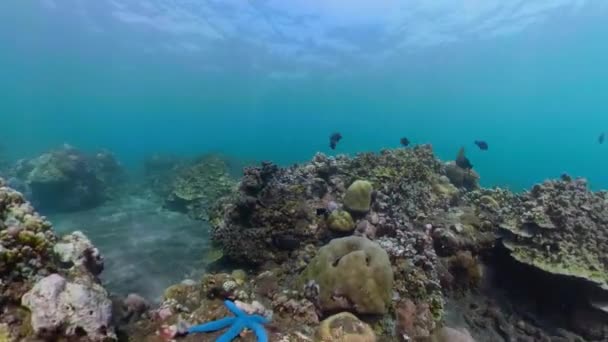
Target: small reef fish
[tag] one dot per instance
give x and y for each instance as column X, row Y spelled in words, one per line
column 462, row 161
column 404, row 142
column 323, row 212
column 334, row 139
column 482, row 145
column 602, row 138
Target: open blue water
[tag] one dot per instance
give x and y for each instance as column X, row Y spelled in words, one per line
column 141, row 77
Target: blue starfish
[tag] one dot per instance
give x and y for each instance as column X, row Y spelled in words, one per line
column 237, row 323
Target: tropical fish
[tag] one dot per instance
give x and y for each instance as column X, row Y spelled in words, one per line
column 404, row 141
column 482, row 145
column 602, row 138
column 334, row 139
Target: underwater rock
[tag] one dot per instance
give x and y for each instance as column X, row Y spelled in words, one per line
column 340, row 221
column 62, row 308
column 366, row 229
column 135, row 305
column 340, row 268
column 67, row 179
column 358, row 197
column 76, row 250
column 198, row 186
column 344, row 327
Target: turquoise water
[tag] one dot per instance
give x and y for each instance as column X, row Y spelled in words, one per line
column 72, row 72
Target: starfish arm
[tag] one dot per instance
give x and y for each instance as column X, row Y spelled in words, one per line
column 233, row 332
column 233, row 308
column 258, row 319
column 259, row 331
column 212, row 326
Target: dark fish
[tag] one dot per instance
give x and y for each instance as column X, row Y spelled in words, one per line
column 482, row 145
column 334, row 139
column 322, row 212
column 286, row 242
column 404, row 142
column 462, row 161
column 602, row 138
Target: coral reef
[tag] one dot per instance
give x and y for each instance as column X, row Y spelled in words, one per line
column 26, row 244
column 197, row 186
column 67, row 179
column 560, row 228
column 274, row 210
column 48, row 289
column 406, row 258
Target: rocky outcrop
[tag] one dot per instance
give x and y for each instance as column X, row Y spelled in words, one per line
column 72, row 309
column 76, row 250
column 67, row 179
column 48, row 289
